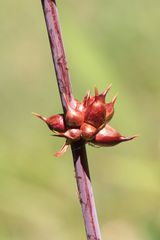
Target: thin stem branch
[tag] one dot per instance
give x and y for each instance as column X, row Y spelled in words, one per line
column 78, row 148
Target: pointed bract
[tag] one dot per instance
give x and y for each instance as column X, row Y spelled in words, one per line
column 63, row 149
column 114, row 99
column 109, row 136
column 40, row 116
column 54, row 122
column 107, row 90
column 96, row 92
column 72, row 134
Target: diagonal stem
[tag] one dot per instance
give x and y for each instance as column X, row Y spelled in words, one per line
column 78, row 148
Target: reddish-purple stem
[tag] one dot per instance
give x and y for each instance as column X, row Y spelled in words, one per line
column 78, row 149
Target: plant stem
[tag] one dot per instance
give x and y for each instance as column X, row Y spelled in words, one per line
column 78, row 148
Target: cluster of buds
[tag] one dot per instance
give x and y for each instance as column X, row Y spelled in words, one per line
column 87, row 121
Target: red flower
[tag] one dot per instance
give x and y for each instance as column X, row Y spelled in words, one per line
column 88, row 121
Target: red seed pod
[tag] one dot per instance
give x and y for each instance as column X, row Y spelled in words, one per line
column 88, row 131
column 72, row 134
column 110, row 109
column 55, row 122
column 96, row 112
column 108, row 136
column 73, row 117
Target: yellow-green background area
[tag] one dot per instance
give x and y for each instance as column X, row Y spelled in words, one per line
column 106, row 42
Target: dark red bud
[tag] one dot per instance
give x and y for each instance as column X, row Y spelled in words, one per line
column 72, row 134
column 96, row 112
column 108, row 136
column 88, row 131
column 55, row 122
column 73, row 117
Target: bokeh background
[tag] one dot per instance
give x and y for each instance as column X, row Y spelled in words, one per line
column 106, row 42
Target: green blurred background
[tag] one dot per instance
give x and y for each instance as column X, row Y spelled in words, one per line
column 106, row 42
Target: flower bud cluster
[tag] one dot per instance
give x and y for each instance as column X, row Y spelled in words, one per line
column 87, row 120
